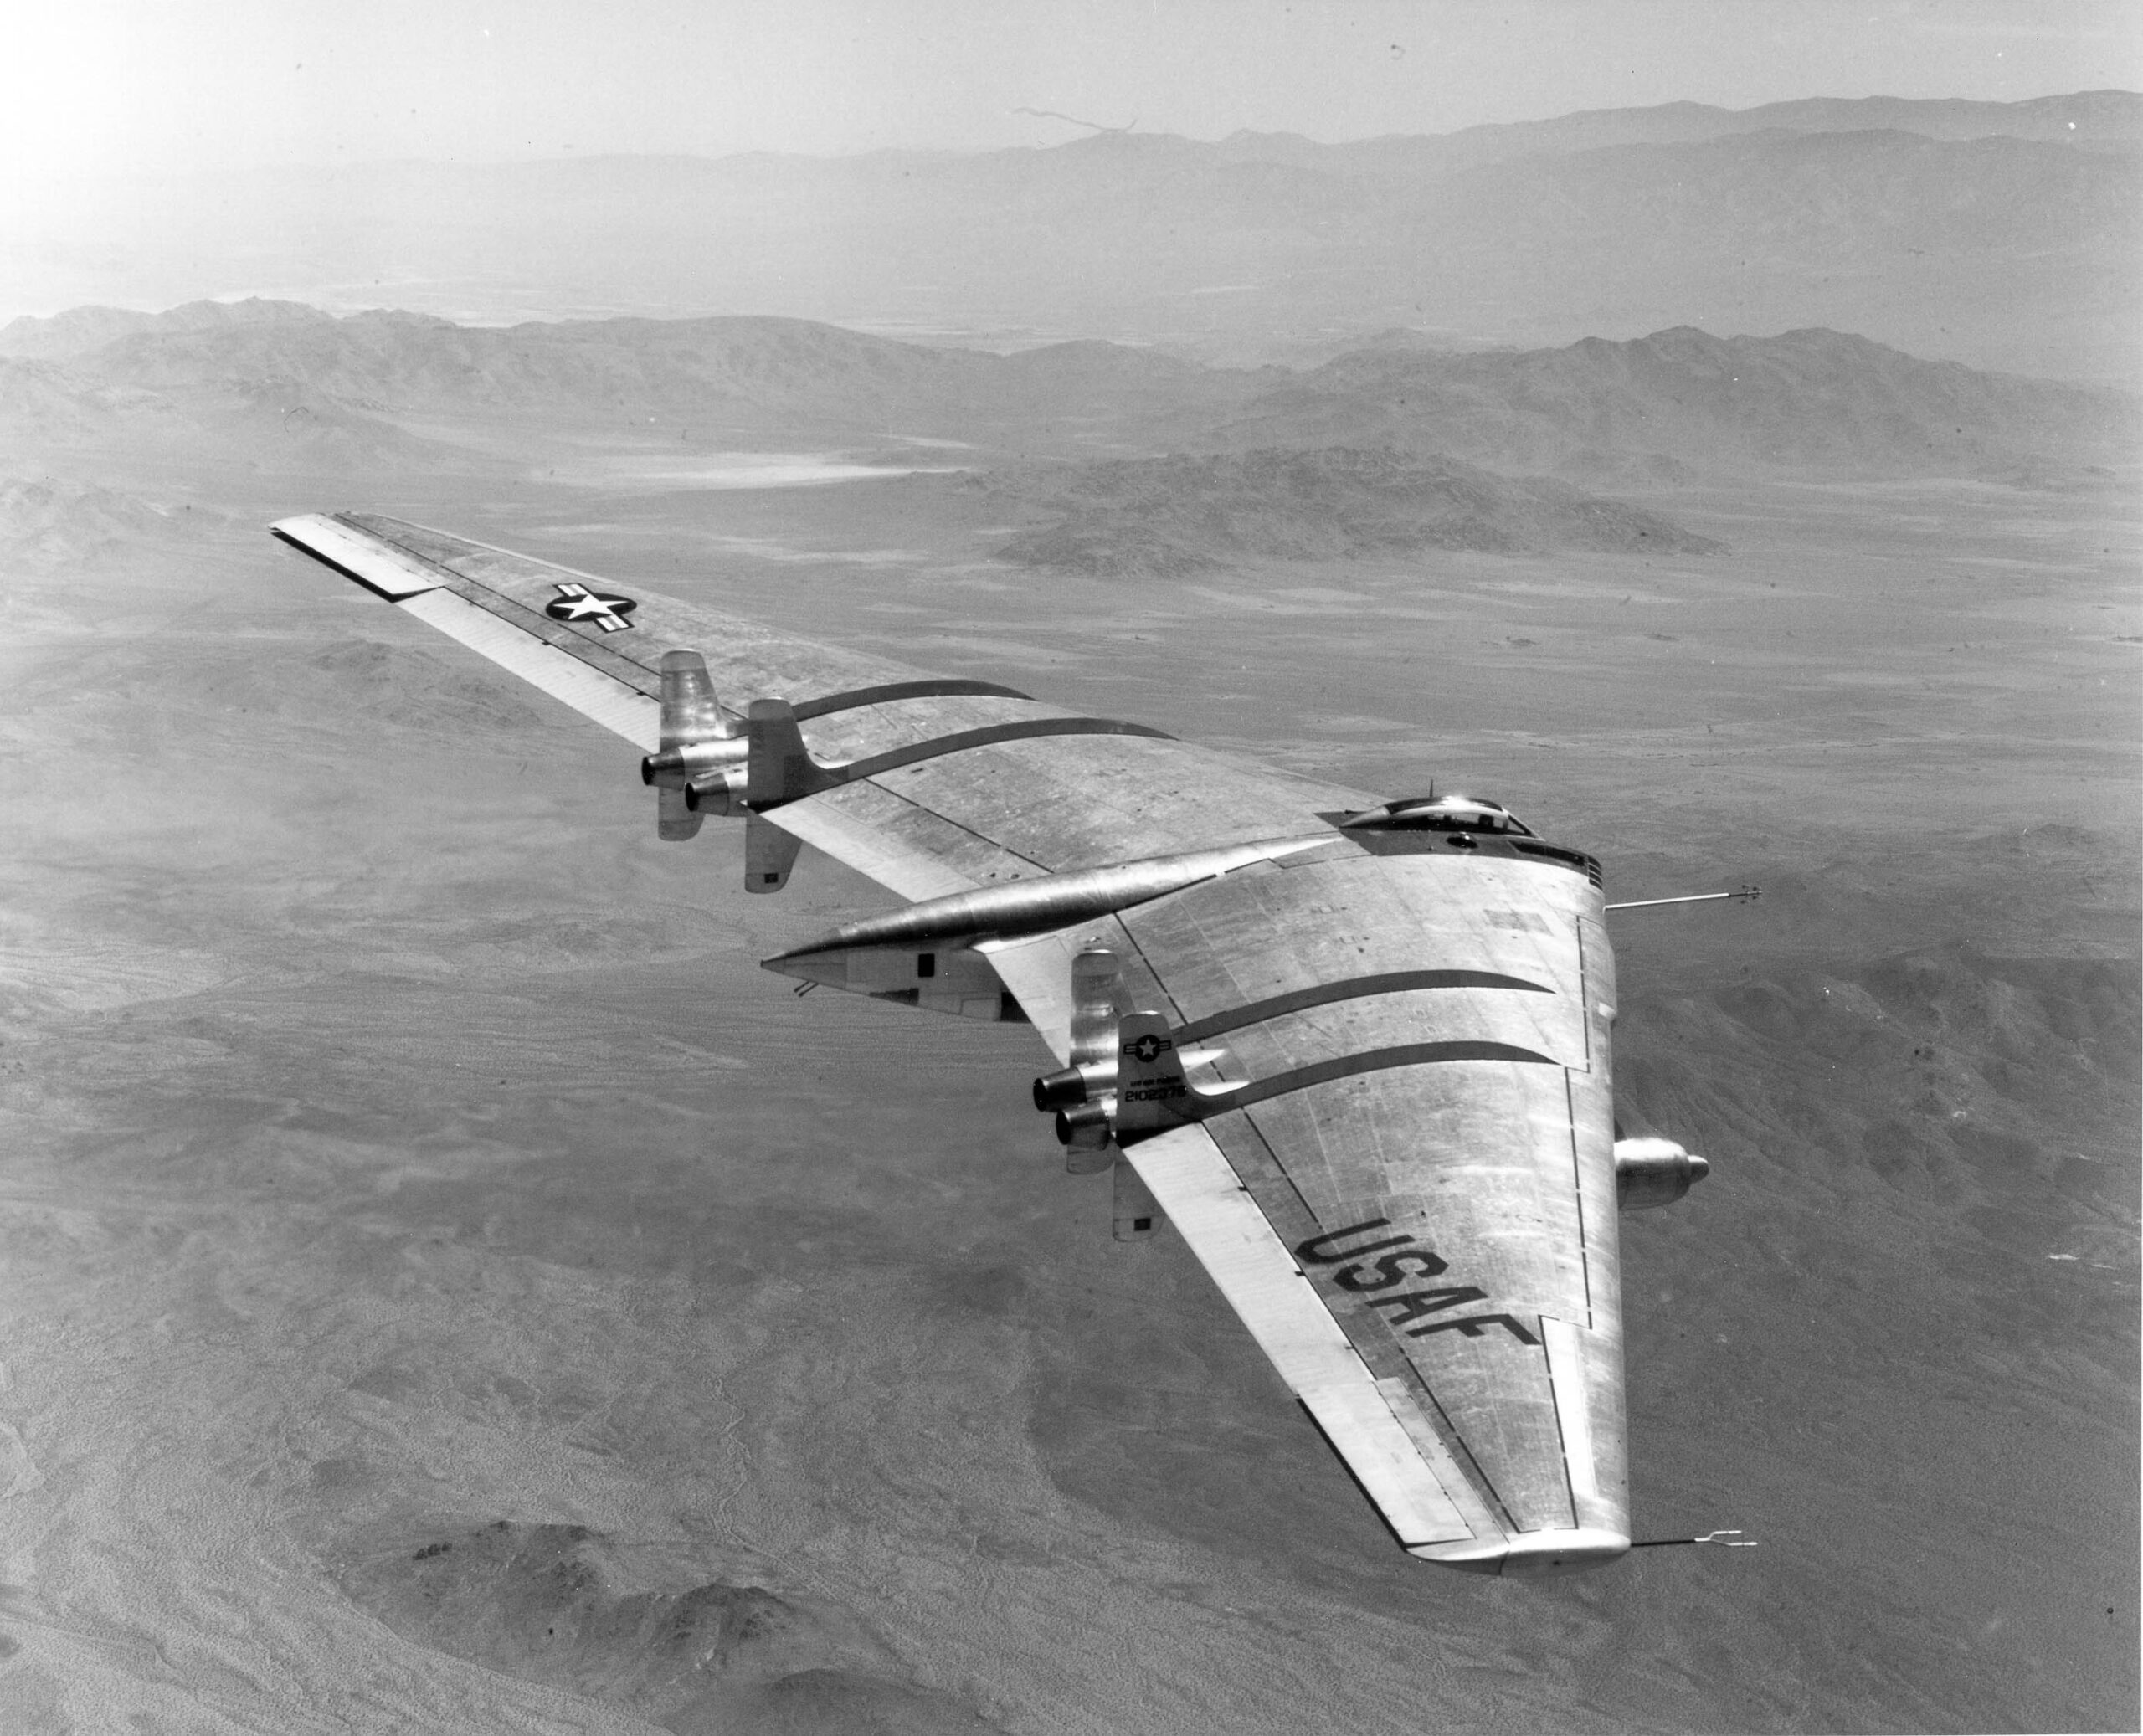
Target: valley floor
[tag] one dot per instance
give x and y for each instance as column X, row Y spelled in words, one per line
column 446, row 1275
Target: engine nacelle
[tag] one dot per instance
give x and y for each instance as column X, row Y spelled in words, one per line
column 1083, row 1083
column 687, row 763
column 1654, row 1172
column 702, row 745
column 1088, row 1124
column 719, row 792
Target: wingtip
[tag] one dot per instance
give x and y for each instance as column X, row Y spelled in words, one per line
column 1529, row 1554
column 358, row 555
column 298, row 522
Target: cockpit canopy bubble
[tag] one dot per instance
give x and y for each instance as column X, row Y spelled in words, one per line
column 1451, row 812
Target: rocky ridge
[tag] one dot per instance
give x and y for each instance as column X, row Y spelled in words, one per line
column 1172, row 517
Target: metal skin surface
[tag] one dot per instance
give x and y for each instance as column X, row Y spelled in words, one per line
column 1488, row 1185
column 1050, row 901
column 700, row 739
column 1379, row 1058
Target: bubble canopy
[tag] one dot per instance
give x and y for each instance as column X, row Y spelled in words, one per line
column 1440, row 813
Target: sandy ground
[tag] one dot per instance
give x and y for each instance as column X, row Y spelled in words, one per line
column 447, row 1285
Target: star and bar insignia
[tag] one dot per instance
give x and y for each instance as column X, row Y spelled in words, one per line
column 577, row 602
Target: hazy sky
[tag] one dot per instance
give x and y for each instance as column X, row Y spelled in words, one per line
column 104, row 85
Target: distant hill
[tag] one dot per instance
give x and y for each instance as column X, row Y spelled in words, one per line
column 233, row 403
column 266, row 381
column 2001, row 235
column 80, row 329
column 2097, row 119
column 1681, row 400
column 1168, row 517
column 57, row 521
column 741, row 372
column 40, row 404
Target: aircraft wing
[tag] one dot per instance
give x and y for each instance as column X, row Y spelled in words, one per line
column 1396, row 1161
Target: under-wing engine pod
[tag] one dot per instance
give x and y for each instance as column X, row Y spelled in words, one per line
column 1084, row 1082
column 702, row 742
column 1654, row 1172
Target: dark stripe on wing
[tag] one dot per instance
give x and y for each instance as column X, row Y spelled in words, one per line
column 1371, row 1060
column 1024, row 729
column 1203, row 1106
column 947, row 689
column 1322, row 995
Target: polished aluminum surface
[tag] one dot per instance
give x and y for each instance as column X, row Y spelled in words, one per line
column 1650, row 1173
column 1053, row 900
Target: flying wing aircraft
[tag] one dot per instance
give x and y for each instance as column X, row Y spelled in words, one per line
column 1357, row 1051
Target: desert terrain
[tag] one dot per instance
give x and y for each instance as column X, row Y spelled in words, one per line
column 451, row 1286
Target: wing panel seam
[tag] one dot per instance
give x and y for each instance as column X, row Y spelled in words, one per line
column 1228, row 1233
column 1406, row 1373
column 1577, row 1193
column 594, row 693
column 536, row 624
column 1564, row 1353
column 532, row 621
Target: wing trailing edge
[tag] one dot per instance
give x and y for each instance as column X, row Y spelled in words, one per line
column 416, row 588
column 1409, row 1475
column 1378, row 1427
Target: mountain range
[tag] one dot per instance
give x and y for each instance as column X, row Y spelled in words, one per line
column 2001, row 235
column 383, row 386
column 1680, row 400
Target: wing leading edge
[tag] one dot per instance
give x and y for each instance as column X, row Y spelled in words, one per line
column 1399, row 1173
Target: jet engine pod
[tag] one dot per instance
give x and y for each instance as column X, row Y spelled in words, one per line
column 718, row 792
column 1081, row 1083
column 1087, row 1124
column 1654, row 1172
column 701, row 744
column 692, row 761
